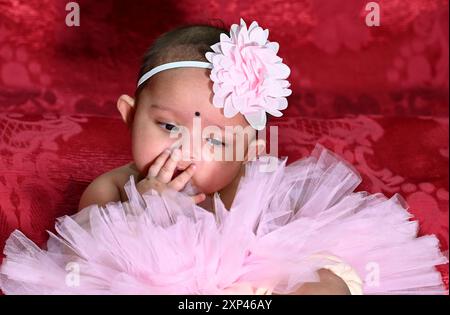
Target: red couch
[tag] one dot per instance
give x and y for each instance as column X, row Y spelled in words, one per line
column 376, row 96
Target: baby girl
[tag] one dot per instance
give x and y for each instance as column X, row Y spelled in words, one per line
column 198, row 212
column 172, row 99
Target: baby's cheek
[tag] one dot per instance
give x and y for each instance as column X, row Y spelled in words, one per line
column 144, row 154
column 147, row 143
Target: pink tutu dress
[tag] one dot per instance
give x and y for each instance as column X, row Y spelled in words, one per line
column 285, row 223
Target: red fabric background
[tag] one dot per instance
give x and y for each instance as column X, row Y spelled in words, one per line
column 377, row 96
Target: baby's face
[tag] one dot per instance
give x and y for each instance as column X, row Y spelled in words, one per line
column 182, row 98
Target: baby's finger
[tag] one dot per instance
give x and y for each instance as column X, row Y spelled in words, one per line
column 159, row 162
column 198, row 198
column 181, row 180
column 166, row 172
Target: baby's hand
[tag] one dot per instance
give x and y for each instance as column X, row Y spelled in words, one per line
column 161, row 172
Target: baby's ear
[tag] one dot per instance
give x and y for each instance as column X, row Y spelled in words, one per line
column 255, row 148
column 125, row 105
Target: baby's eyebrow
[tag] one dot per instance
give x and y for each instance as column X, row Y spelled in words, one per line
column 175, row 110
column 160, row 107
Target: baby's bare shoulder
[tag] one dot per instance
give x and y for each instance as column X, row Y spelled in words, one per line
column 121, row 175
column 108, row 186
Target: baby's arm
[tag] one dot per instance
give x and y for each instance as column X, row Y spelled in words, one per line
column 101, row 191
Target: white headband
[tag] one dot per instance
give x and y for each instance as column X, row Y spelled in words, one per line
column 171, row 65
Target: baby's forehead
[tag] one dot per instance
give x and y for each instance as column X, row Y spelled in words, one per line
column 180, row 86
column 187, row 92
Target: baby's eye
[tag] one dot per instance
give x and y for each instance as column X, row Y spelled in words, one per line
column 168, row 127
column 215, row 142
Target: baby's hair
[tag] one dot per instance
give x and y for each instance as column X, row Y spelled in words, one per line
column 188, row 42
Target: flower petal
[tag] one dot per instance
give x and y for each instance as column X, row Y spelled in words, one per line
column 242, row 37
column 224, row 38
column 226, row 63
column 257, row 119
column 222, row 89
column 282, row 103
column 273, row 110
column 284, row 71
column 229, row 110
column 253, row 26
column 239, row 101
column 257, row 35
column 216, row 48
column 284, row 83
column 243, row 24
column 227, row 48
column 287, row 92
column 273, row 46
column 218, row 101
column 209, row 56
column 233, row 32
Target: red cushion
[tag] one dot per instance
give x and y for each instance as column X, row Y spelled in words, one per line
column 48, row 161
column 339, row 66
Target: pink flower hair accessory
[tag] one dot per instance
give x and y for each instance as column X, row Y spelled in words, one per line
column 249, row 78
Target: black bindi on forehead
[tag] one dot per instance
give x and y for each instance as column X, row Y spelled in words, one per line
column 197, row 114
